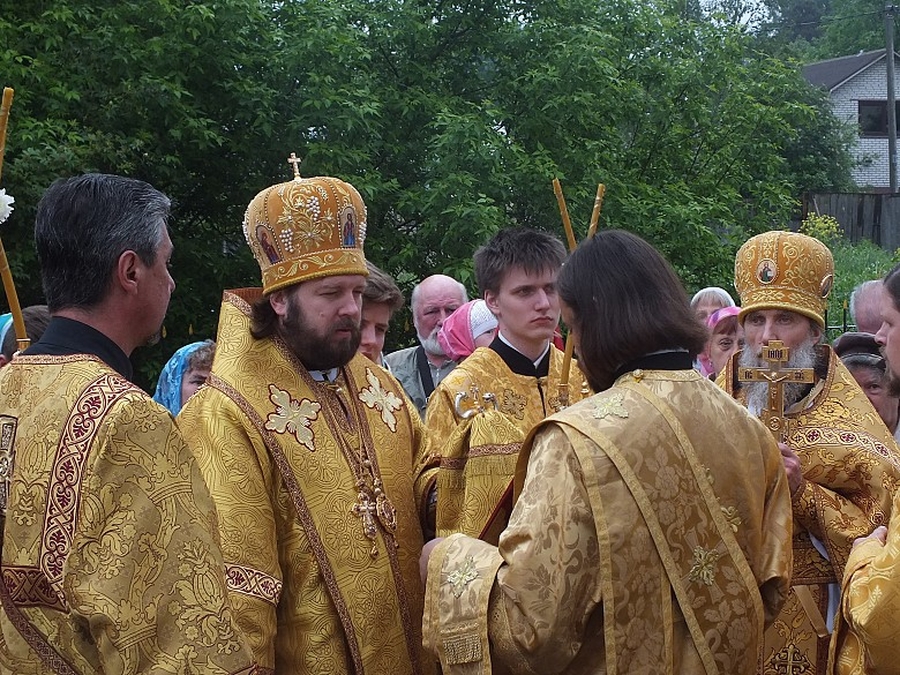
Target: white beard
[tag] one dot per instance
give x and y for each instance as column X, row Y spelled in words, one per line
column 803, row 356
column 431, row 344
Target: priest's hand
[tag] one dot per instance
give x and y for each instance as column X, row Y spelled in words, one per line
column 878, row 534
column 791, row 467
column 426, row 554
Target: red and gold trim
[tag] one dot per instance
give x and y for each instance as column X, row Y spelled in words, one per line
column 64, row 491
column 248, row 581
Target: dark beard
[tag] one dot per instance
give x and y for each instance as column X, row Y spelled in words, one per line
column 317, row 352
column 757, row 393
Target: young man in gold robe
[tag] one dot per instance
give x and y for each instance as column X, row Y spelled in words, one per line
column 308, row 448
column 636, row 545
column 111, row 562
column 842, row 462
column 867, row 634
column 484, row 408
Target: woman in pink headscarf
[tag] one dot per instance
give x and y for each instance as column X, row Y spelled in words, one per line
column 472, row 325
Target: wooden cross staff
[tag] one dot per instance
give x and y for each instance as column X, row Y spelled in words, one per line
column 776, row 354
column 563, row 393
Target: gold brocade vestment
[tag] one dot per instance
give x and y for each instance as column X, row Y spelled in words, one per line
column 635, row 546
column 320, row 580
column 851, row 469
column 474, row 458
column 867, row 632
column 110, row 548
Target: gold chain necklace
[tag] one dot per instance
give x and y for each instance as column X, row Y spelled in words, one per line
column 372, row 504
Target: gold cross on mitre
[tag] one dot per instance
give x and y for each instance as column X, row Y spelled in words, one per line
column 776, row 354
column 295, row 162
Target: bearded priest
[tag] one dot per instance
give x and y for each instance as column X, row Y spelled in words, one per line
column 841, row 461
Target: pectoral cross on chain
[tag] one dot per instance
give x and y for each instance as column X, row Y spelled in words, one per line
column 776, row 354
column 365, row 508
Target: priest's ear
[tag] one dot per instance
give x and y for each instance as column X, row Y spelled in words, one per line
column 279, row 302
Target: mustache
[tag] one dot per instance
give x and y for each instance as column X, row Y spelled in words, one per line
column 345, row 324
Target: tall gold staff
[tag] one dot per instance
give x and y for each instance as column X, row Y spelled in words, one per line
column 570, row 237
column 12, row 297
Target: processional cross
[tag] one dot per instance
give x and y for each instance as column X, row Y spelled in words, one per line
column 776, row 354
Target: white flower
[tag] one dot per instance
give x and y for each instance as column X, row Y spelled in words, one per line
column 6, row 202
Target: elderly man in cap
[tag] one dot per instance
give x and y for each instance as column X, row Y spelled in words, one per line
column 841, row 461
column 308, row 447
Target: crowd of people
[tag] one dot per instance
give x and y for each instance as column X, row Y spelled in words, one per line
column 698, row 485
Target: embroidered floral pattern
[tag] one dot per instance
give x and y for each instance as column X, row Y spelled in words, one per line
column 513, row 404
column 200, row 600
column 463, row 575
column 704, row 567
column 292, row 416
column 611, row 405
column 377, row 398
column 310, row 234
column 68, row 468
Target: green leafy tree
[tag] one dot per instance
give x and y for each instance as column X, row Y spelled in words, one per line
column 452, row 120
column 852, row 26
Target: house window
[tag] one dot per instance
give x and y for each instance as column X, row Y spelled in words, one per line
column 873, row 118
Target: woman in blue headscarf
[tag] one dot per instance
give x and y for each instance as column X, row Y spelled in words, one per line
column 183, row 374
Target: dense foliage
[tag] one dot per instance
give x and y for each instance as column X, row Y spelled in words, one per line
column 451, row 118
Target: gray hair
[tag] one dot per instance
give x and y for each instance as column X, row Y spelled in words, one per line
column 83, row 224
column 712, row 292
column 861, row 290
column 416, row 291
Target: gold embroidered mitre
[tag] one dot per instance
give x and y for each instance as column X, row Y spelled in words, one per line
column 305, row 229
column 784, row 270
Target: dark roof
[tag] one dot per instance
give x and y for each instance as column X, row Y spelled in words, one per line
column 832, row 73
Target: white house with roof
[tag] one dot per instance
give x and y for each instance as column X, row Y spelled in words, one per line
column 857, row 86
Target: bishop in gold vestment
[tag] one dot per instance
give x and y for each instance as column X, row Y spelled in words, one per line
column 281, row 454
column 636, row 545
column 851, row 470
column 848, row 458
column 308, row 449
